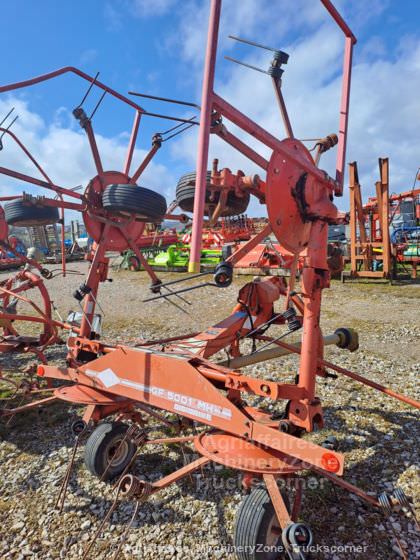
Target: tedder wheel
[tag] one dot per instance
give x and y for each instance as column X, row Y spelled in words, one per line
column 133, row 263
column 17, row 213
column 258, row 535
column 146, row 204
column 104, row 448
column 185, row 191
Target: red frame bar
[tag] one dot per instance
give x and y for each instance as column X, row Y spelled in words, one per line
column 38, row 182
column 345, row 93
column 335, row 14
column 132, row 142
column 255, row 130
column 204, row 135
column 65, row 70
column 243, row 148
column 94, row 147
column 211, row 101
column 344, row 115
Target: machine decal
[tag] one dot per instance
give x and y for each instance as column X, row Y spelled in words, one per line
column 185, row 403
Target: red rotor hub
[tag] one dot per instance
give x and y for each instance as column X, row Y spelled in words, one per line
column 283, row 211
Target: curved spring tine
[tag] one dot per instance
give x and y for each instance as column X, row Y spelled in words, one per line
column 63, row 489
column 125, row 471
column 101, row 526
column 402, row 551
column 18, row 406
column 64, row 485
column 124, row 536
column 10, row 382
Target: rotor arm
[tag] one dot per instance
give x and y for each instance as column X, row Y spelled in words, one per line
column 156, row 144
column 48, row 184
column 66, row 70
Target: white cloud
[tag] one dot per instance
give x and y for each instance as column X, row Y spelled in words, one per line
column 252, row 19
column 383, row 107
column 113, row 17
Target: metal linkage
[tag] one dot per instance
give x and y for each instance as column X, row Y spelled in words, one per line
column 294, row 323
column 275, row 71
column 166, row 99
column 280, row 57
column 180, row 131
column 9, row 126
column 78, row 428
column 222, row 276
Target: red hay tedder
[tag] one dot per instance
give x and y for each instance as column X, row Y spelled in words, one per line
column 15, row 289
column 180, row 375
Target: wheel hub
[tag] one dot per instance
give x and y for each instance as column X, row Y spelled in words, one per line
column 95, row 217
column 117, row 453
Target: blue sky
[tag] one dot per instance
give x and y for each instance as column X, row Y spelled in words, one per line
column 157, row 47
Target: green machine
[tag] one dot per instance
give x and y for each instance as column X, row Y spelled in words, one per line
column 176, row 258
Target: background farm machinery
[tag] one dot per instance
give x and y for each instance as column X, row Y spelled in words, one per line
column 25, row 302
column 385, row 231
column 18, row 288
column 169, row 250
column 195, row 378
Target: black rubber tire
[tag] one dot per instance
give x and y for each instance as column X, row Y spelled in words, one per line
column 223, row 274
column 146, row 204
column 185, row 192
column 252, row 523
column 19, row 214
column 105, row 438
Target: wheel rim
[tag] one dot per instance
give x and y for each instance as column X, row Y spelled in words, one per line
column 133, row 264
column 274, row 531
column 273, row 539
column 117, row 453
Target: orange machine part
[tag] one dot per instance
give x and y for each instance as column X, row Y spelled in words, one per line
column 244, row 455
column 81, row 394
column 283, row 211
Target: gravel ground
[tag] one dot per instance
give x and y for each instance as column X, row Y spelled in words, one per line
column 194, row 519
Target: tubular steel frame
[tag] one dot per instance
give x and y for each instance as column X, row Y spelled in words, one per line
column 212, row 102
column 108, row 232
column 176, row 375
